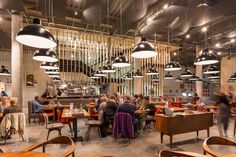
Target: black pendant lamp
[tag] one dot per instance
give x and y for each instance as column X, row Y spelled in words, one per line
column 54, row 75
column 4, row 71
column 211, row 69
column 168, row 76
column 56, row 79
column 151, row 71
column 178, row 79
column 194, row 78
column 233, row 77
column 99, row 73
column 155, row 78
column 206, row 58
column 172, row 66
column 137, row 74
column 49, row 65
column 144, row 49
column 155, row 82
column 93, row 76
column 34, row 35
column 216, row 80
column 121, row 61
column 128, row 76
column 214, row 76
column 52, row 71
column 108, row 68
column 45, row 55
column 186, row 73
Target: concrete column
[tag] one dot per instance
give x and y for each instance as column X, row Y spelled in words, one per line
column 199, row 74
column 138, row 82
column 16, row 59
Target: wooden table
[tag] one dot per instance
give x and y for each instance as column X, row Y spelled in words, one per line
column 230, row 155
column 176, row 109
column 26, row 154
column 74, row 115
column 172, row 125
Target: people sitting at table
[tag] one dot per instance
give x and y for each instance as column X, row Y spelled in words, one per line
column 5, row 102
column 13, row 108
column 129, row 107
column 150, row 108
column 37, row 107
column 3, row 93
column 103, row 103
column 111, row 107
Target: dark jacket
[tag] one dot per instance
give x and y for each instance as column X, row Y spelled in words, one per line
column 111, row 108
column 127, row 107
column 152, row 109
column 11, row 109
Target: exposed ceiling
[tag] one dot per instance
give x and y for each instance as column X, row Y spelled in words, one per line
column 162, row 20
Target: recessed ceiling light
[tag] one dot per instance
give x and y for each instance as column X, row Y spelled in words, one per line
column 210, row 51
column 165, row 6
column 232, row 40
column 76, row 13
column 219, row 53
column 204, row 29
column 217, row 45
column 187, row 36
column 174, row 53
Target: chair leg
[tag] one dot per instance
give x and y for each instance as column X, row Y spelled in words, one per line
column 59, row 131
column 99, row 132
column 73, row 154
column 70, row 128
column 5, row 140
column 88, row 132
column 21, row 134
column 48, row 134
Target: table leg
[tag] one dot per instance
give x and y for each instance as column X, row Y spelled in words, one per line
column 75, row 128
column 161, row 137
column 197, row 133
column 208, row 132
column 171, row 140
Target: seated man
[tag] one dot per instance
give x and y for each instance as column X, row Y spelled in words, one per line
column 36, row 106
column 111, row 107
column 4, row 103
column 129, row 107
column 13, row 108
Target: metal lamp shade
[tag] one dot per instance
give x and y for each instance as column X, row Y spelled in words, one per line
column 121, row 62
column 93, row 76
column 51, row 71
column 206, row 58
column 128, row 76
column 155, row 82
column 49, row 65
column 34, row 35
column 172, row 66
column 186, row 73
column 55, row 79
column 151, row 71
column 155, row 78
column 211, row 69
column 178, row 79
column 144, row 49
column 4, row 71
column 99, row 73
column 168, row 76
column 193, row 78
column 137, row 74
column 54, row 75
column 233, row 77
column 214, row 76
column 108, row 69
column 45, row 55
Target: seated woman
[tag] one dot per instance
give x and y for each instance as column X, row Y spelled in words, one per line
column 13, row 108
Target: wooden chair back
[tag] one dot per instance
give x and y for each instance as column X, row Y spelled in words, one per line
column 57, row 140
column 169, row 153
column 215, row 140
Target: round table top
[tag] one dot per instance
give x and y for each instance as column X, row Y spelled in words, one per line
column 26, row 154
column 192, row 154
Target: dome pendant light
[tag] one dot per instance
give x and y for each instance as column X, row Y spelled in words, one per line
column 233, row 77
column 54, row 75
column 155, row 82
column 168, row 76
column 99, row 73
column 186, row 73
column 45, row 55
column 108, row 68
column 178, row 79
column 4, row 71
column 193, row 78
column 144, row 49
column 155, row 78
column 137, row 74
column 34, row 35
column 152, row 71
column 51, row 71
column 214, row 76
column 49, row 65
column 128, row 76
column 206, row 58
column 211, row 69
column 172, row 66
column 93, row 76
column 121, row 61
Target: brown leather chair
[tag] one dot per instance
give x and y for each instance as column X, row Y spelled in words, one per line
column 215, row 140
column 170, row 153
column 57, row 140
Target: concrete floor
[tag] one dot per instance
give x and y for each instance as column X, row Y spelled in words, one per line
column 145, row 145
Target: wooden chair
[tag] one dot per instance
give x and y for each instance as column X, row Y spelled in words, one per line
column 93, row 124
column 57, row 140
column 52, row 126
column 170, row 153
column 64, row 120
column 215, row 140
